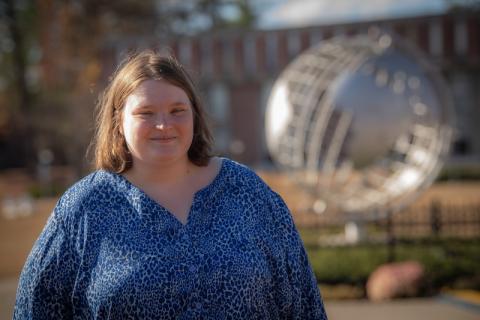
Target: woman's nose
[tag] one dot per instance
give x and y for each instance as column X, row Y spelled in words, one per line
column 162, row 122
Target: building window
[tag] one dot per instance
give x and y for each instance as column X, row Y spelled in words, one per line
column 218, row 108
column 461, row 38
column 249, row 54
column 185, row 52
column 316, row 36
column 271, row 51
column 293, row 44
column 206, row 56
column 436, row 38
column 464, row 98
column 339, row 32
column 461, row 147
column 228, row 55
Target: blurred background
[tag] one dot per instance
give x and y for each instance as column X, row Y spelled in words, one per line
column 56, row 57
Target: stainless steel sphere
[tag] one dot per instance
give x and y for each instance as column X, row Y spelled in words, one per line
column 361, row 122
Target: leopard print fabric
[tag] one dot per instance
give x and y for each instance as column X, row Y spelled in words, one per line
column 108, row 251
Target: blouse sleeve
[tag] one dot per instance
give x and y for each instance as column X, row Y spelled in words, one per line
column 303, row 299
column 46, row 282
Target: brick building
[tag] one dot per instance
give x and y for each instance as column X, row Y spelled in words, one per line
column 236, row 71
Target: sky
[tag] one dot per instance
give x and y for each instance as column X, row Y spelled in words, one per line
column 299, row 13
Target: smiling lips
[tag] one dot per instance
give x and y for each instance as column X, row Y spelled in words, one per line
column 163, row 139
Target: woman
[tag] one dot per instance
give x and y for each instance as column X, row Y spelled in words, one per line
column 163, row 230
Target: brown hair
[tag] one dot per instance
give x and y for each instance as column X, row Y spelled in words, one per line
column 109, row 146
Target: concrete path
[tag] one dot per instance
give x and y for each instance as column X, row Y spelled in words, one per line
column 440, row 308
column 411, row 309
column 8, row 288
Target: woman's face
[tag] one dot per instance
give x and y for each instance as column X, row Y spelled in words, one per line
column 157, row 123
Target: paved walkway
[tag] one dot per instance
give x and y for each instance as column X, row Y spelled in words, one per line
column 8, row 288
column 462, row 306
column 438, row 308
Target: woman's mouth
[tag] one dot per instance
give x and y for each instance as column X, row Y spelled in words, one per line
column 163, row 139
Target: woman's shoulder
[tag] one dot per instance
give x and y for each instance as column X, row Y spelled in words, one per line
column 87, row 191
column 244, row 182
column 240, row 174
column 93, row 183
column 243, row 177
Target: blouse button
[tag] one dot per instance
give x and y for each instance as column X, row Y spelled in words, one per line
column 184, row 237
column 198, row 305
column 192, row 269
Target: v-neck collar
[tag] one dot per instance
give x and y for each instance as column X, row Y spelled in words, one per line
column 153, row 210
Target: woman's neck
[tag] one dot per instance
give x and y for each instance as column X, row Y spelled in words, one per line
column 164, row 174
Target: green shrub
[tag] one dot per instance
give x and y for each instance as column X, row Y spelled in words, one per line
column 450, row 263
column 349, row 265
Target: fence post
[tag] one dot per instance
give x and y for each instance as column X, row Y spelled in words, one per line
column 435, row 217
column 390, row 238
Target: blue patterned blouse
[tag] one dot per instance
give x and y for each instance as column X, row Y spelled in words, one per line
column 109, row 251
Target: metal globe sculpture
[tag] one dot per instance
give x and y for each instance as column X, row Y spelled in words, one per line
column 361, row 122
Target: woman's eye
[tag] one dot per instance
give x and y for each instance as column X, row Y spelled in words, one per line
column 178, row 111
column 145, row 113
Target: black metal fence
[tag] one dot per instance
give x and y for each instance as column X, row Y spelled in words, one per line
column 435, row 220
column 427, row 223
